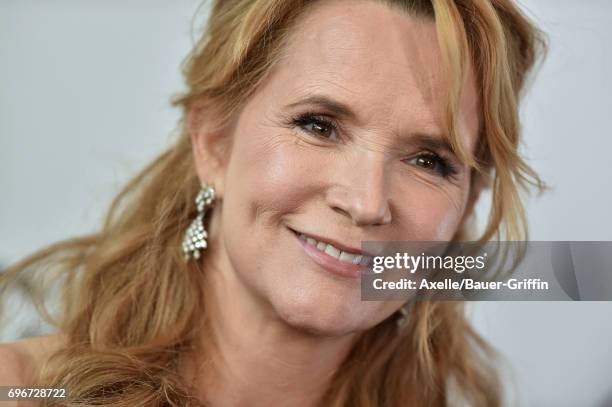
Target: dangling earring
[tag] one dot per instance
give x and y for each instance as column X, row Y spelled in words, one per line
column 402, row 319
column 196, row 235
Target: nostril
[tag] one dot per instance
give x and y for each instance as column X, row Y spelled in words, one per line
column 342, row 212
column 363, row 208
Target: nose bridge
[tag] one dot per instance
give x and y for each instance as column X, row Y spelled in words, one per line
column 361, row 191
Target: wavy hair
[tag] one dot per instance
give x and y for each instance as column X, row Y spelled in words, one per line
column 131, row 307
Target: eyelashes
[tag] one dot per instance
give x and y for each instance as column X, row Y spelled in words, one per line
column 327, row 129
column 316, row 125
column 434, row 162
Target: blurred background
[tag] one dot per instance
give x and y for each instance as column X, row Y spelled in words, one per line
column 84, row 103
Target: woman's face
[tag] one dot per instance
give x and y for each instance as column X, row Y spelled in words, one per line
column 342, row 141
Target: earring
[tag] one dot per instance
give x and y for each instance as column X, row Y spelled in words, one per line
column 196, row 235
column 402, row 319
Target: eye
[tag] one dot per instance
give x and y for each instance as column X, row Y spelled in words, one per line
column 316, row 125
column 434, row 163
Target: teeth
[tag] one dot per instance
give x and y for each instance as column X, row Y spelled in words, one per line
column 347, row 257
column 336, row 253
column 332, row 251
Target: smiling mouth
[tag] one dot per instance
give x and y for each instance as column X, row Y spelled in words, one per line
column 353, row 257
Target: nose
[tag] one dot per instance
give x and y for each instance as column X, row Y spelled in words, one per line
column 360, row 192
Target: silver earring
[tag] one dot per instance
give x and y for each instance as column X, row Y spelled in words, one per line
column 402, row 319
column 196, row 235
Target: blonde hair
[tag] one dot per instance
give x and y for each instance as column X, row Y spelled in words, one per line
column 131, row 306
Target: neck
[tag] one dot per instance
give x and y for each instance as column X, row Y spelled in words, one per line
column 256, row 359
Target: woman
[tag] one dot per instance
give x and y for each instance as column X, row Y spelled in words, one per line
column 309, row 128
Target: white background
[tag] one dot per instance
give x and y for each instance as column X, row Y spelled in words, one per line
column 84, row 91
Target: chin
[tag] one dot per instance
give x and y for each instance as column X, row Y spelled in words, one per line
column 320, row 318
column 330, row 327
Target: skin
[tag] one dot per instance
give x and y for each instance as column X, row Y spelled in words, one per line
column 21, row 360
column 282, row 323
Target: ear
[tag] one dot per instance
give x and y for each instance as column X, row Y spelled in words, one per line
column 210, row 143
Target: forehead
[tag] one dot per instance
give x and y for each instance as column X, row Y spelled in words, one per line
column 382, row 61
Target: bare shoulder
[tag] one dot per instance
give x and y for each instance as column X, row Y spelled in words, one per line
column 21, row 359
column 12, row 366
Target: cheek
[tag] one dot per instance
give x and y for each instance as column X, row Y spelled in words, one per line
column 267, row 176
column 448, row 220
column 430, row 213
column 262, row 186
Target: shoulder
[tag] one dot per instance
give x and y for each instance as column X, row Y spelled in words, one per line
column 21, row 359
column 12, row 366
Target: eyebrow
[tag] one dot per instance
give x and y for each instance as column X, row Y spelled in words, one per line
column 334, row 106
column 424, row 140
column 431, row 142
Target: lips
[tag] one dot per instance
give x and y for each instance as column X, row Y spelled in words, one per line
column 335, row 252
column 333, row 256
